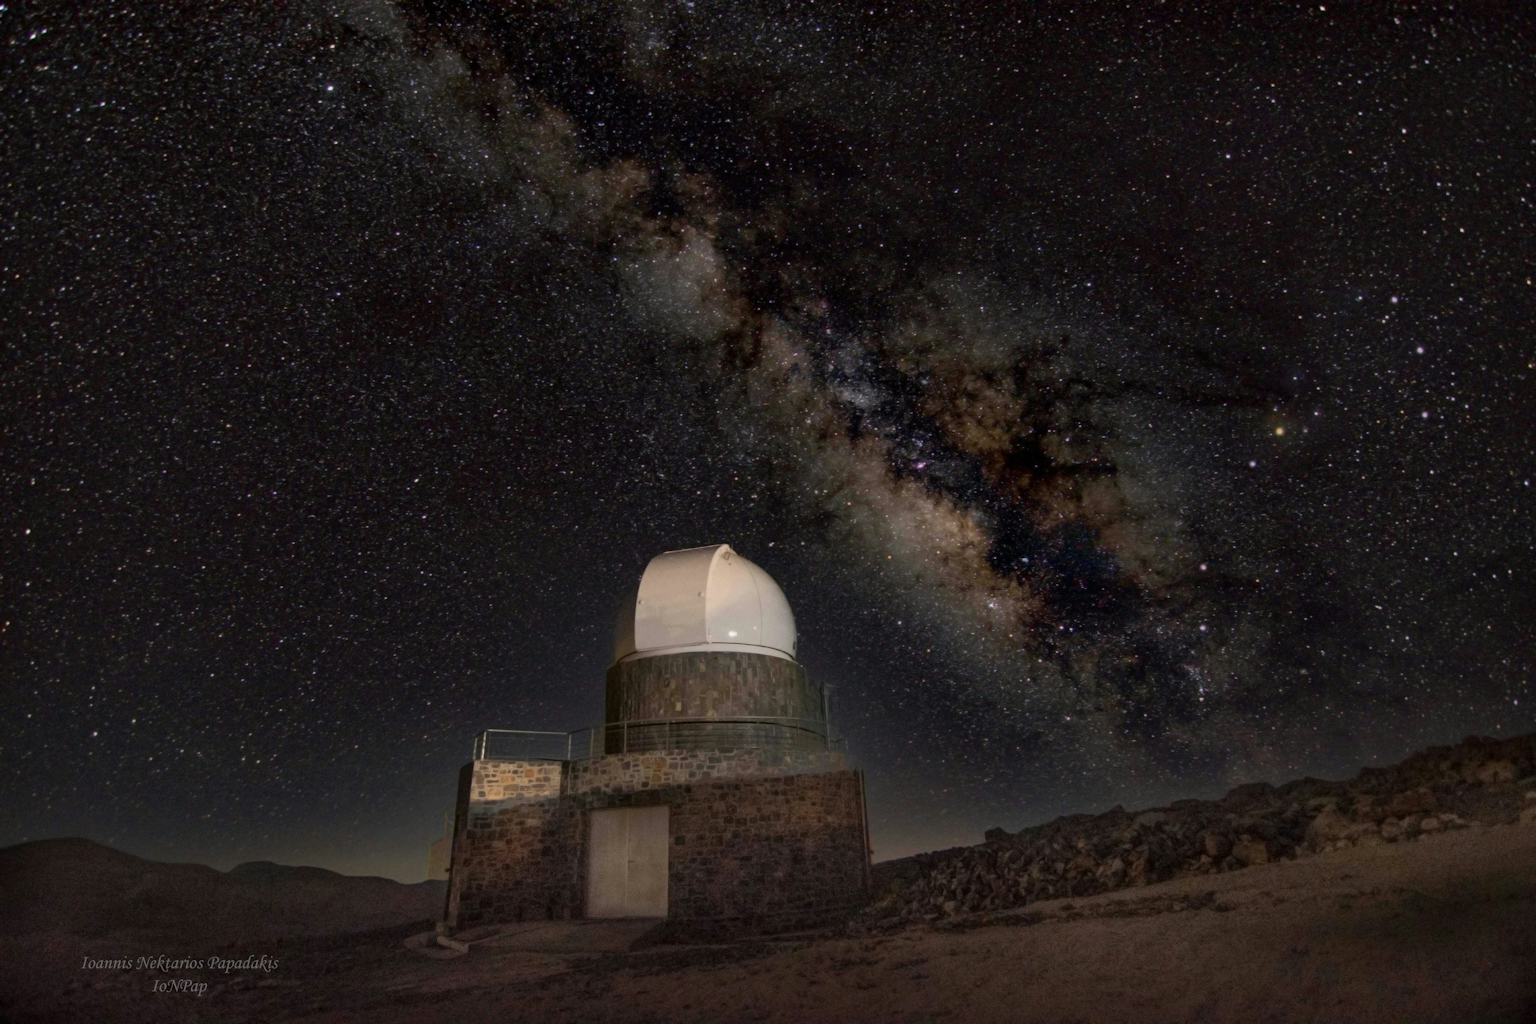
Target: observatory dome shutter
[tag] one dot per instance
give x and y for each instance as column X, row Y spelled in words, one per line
column 706, row 598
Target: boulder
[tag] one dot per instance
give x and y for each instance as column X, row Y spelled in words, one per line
column 1365, row 833
column 1414, row 801
column 1140, row 871
column 1250, row 850
column 1328, row 827
column 1257, row 826
column 1491, row 773
column 1215, row 844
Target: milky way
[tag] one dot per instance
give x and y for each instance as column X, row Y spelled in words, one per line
column 920, row 404
column 1130, row 404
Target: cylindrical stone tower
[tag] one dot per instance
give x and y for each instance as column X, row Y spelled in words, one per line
column 704, row 659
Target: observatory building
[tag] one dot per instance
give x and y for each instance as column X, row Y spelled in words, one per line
column 713, row 793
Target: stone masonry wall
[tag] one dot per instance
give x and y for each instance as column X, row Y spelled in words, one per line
column 514, row 845
column 637, row 772
column 760, row 840
column 704, row 684
column 767, row 854
column 516, row 780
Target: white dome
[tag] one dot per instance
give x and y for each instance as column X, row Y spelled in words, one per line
column 704, row 599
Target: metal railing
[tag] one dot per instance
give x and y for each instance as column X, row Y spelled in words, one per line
column 657, row 734
column 523, row 745
column 723, row 732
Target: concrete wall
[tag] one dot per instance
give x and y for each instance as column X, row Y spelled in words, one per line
column 758, row 841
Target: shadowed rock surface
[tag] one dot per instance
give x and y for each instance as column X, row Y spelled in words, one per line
column 1481, row 781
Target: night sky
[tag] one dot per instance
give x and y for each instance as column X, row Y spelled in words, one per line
column 1130, row 402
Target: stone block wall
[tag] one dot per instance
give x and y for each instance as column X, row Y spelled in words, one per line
column 714, row 684
column 514, row 845
column 767, row 854
column 516, row 780
column 759, row 839
column 618, row 773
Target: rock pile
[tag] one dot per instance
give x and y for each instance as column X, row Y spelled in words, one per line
column 1481, row 781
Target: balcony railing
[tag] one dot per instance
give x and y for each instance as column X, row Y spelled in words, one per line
column 527, row 745
column 655, row 735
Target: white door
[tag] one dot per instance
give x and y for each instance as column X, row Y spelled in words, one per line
column 627, row 862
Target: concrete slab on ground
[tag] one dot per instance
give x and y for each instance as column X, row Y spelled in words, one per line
column 610, row 936
column 426, row 944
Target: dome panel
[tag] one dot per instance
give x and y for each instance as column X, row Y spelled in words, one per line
column 669, row 607
column 732, row 611
column 706, row 598
column 778, row 619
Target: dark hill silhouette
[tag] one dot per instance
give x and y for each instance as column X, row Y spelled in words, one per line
column 81, row 888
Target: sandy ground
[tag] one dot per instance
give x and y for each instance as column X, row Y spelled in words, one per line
column 1442, row 929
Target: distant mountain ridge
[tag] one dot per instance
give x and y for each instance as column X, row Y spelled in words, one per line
column 80, row 887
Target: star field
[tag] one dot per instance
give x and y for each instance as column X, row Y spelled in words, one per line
column 1130, row 402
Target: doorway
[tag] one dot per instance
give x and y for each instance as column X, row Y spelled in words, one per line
column 627, row 862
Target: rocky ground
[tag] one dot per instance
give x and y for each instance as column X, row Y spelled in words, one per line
column 1442, row 789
